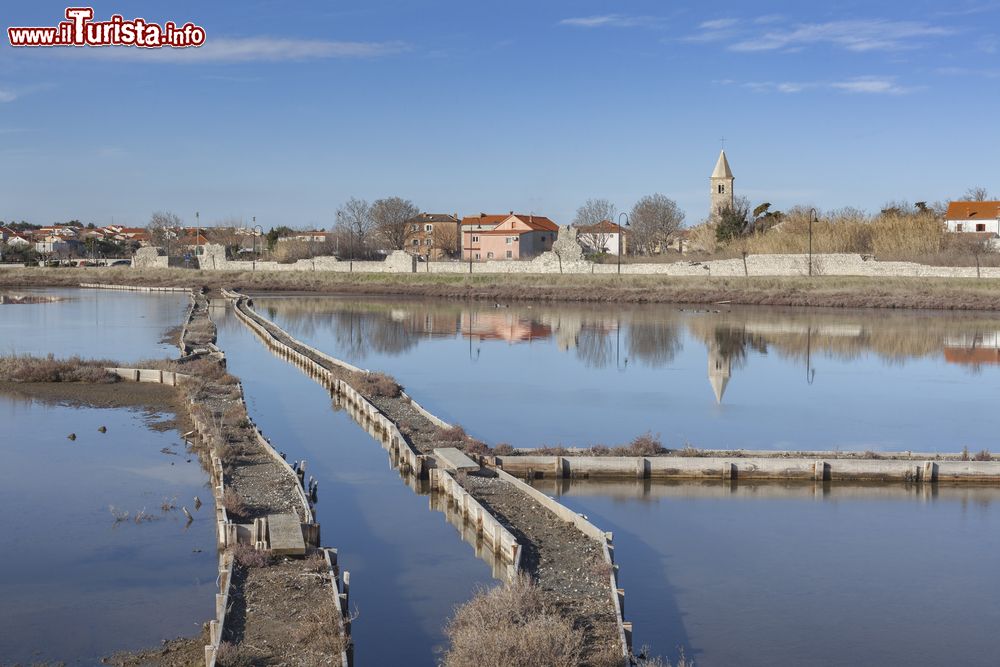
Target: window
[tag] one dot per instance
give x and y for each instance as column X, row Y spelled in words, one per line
column 428, row 228
column 489, row 255
column 416, row 241
column 509, row 240
column 414, row 228
column 509, row 254
column 475, row 239
column 429, row 242
column 958, row 227
column 543, row 238
column 477, row 255
column 980, row 226
column 722, row 189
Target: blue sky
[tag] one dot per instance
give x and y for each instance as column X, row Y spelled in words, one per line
column 292, row 107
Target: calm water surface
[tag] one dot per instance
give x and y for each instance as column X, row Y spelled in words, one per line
column 730, row 378
column 95, row 324
column 804, row 574
column 409, row 567
column 74, row 584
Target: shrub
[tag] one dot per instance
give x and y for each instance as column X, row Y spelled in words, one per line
column 451, row 434
column 503, row 449
column 234, row 655
column 646, row 444
column 508, row 626
column 558, row 450
column 983, row 455
column 378, row 385
column 473, row 446
column 246, row 556
column 233, row 503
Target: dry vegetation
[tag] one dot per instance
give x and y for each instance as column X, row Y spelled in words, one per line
column 28, row 368
column 509, row 626
column 374, row 385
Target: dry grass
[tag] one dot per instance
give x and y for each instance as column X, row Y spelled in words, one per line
column 375, row 385
column 27, row 368
column 503, row 449
column 235, row 507
column 246, row 556
column 451, row 434
column 508, row 626
column 235, row 655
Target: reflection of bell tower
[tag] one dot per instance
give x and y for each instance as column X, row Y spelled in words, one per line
column 720, row 368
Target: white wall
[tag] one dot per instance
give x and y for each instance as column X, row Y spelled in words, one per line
column 970, row 225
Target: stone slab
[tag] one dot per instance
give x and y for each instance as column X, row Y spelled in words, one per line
column 285, row 533
column 453, row 459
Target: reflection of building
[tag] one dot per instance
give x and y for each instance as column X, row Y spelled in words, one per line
column 975, row 349
column 503, row 326
column 720, row 369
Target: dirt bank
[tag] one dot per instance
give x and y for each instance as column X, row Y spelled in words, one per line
column 822, row 291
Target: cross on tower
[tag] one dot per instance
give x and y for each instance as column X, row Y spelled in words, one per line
column 723, row 140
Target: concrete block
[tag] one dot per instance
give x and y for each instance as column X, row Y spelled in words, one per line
column 454, row 459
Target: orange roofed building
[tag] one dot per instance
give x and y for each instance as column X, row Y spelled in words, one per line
column 973, row 216
column 512, row 236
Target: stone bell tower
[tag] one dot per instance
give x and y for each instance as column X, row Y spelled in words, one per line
column 722, row 185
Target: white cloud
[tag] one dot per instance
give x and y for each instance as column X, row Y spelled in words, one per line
column 718, row 24
column 7, row 95
column 610, row 21
column 245, row 49
column 859, row 35
column 870, row 85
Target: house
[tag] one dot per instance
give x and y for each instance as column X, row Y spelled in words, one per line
column 603, row 237
column 13, row 238
column 310, row 236
column 434, row 234
column 973, row 216
column 511, row 236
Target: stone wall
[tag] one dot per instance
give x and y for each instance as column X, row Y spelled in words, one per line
column 148, row 258
column 549, row 263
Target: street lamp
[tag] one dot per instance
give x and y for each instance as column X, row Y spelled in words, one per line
column 812, row 218
column 257, row 231
column 621, row 238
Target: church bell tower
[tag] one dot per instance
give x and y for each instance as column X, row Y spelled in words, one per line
column 722, row 185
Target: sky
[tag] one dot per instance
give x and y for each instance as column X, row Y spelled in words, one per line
column 290, row 108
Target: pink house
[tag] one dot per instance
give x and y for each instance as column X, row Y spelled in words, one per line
column 515, row 236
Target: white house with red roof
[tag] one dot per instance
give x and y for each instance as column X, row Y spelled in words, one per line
column 973, row 216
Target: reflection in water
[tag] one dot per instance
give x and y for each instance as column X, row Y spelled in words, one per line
column 652, row 337
column 579, row 374
column 22, row 299
column 803, row 573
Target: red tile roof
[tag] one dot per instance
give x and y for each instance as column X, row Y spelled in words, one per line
column 973, row 210
column 603, row 227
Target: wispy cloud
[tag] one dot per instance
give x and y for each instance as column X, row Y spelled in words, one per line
column 611, row 21
column 854, row 35
column 869, row 85
column 7, row 95
column 860, row 35
column 245, row 50
column 968, row 71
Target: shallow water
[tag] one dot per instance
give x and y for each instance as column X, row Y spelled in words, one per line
column 74, row 584
column 409, row 567
column 537, row 374
column 91, row 323
column 803, row 574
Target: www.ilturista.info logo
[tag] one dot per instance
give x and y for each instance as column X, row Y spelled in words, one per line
column 81, row 30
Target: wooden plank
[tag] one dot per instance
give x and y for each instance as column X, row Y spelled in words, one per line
column 454, row 459
column 285, row 532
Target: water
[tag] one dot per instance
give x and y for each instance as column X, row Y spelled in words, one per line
column 95, row 324
column 409, row 567
column 74, row 584
column 766, row 574
column 546, row 374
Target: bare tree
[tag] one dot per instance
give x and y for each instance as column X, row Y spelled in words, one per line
column 654, row 221
column 588, row 221
column 162, row 228
column 445, row 238
column 391, row 217
column 354, row 219
column 977, row 194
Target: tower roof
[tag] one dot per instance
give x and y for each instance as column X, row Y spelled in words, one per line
column 719, row 383
column 722, row 169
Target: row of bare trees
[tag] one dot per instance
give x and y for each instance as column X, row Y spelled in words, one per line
column 652, row 223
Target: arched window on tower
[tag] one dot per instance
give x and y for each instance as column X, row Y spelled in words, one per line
column 722, row 188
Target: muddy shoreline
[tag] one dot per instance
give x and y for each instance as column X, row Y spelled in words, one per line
column 823, row 291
